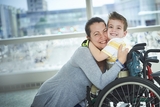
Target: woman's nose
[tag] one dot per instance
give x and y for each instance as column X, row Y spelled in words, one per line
column 103, row 36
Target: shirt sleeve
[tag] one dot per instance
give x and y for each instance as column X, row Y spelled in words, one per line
column 109, row 50
column 83, row 59
column 112, row 46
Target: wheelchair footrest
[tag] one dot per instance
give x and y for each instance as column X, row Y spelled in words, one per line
column 156, row 74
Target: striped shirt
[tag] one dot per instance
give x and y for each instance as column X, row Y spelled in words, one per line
column 111, row 49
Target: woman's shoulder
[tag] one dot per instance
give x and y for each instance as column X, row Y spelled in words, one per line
column 81, row 53
column 83, row 49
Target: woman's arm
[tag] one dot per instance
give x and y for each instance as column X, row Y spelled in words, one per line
column 83, row 58
column 98, row 55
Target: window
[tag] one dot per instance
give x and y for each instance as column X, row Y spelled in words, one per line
column 51, row 17
column 56, row 17
column 145, row 12
column 71, row 16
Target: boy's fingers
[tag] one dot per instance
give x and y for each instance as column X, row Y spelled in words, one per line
column 120, row 47
column 127, row 49
column 123, row 48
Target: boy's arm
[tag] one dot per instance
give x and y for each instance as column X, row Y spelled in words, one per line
column 98, row 55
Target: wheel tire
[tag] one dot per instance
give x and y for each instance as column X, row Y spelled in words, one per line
column 129, row 90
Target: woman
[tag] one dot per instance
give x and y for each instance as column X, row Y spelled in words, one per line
column 68, row 87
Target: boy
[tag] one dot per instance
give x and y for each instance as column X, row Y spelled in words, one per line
column 117, row 29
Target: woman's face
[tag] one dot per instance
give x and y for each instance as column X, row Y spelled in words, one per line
column 98, row 35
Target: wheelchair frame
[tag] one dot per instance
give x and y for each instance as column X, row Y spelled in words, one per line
column 140, row 91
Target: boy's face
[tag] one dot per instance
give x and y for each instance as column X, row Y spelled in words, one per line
column 98, row 35
column 116, row 29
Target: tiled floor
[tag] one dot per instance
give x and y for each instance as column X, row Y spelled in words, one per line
column 22, row 98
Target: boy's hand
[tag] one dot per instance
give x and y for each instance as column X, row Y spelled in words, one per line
column 85, row 43
column 122, row 54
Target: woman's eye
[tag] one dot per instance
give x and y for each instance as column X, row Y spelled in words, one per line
column 95, row 34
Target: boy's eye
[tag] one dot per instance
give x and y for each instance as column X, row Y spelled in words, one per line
column 119, row 27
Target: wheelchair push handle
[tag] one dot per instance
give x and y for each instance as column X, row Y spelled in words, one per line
column 152, row 60
column 140, row 44
column 153, row 50
column 137, row 48
column 150, row 50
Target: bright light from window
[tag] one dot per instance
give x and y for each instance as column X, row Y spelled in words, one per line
column 102, row 2
column 69, row 4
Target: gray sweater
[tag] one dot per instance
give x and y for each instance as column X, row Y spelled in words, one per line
column 68, row 87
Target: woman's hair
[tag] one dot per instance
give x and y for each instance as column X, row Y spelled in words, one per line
column 116, row 16
column 90, row 22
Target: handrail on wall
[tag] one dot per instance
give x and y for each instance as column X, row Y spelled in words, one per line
column 68, row 35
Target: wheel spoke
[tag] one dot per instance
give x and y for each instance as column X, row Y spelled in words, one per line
column 130, row 93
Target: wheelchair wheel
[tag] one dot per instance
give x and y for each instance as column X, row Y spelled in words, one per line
column 129, row 92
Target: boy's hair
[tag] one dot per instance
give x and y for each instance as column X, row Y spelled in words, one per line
column 90, row 22
column 116, row 16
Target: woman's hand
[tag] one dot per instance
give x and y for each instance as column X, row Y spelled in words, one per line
column 122, row 54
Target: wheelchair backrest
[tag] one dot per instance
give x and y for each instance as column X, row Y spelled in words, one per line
column 133, row 64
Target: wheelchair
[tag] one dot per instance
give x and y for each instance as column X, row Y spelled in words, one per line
column 132, row 91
